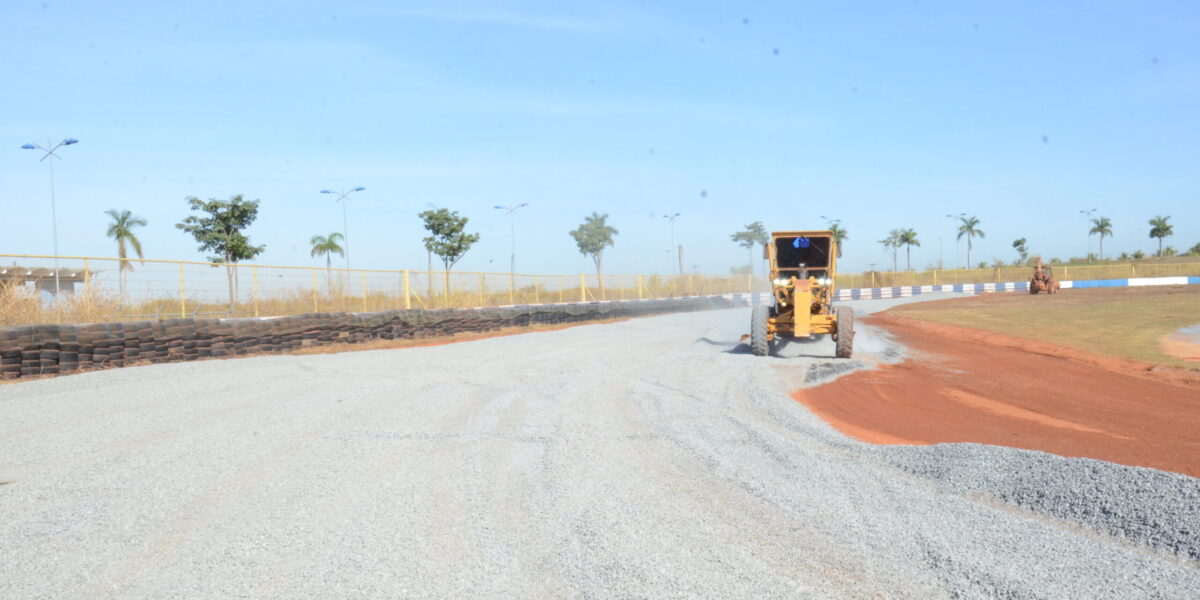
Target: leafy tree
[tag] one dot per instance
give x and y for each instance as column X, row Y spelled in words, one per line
column 219, row 231
column 449, row 241
column 327, row 246
column 969, row 226
column 1101, row 226
column 121, row 230
column 1123, row 256
column 891, row 244
column 1139, row 255
column 1022, row 248
column 754, row 234
column 908, row 238
column 593, row 236
column 1194, row 250
column 1160, row 228
column 1168, row 252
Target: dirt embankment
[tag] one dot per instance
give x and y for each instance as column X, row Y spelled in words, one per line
column 965, row 385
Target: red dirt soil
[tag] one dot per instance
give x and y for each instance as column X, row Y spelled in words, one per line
column 963, row 385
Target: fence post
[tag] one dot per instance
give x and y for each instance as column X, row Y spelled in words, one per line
column 483, row 302
column 87, row 287
column 363, row 277
column 511, row 288
column 314, row 290
column 641, row 289
column 582, row 288
column 407, row 292
column 254, row 288
column 537, row 293
column 621, row 283
column 560, row 289
column 182, row 294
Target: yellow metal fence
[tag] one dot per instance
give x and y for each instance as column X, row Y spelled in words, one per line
column 92, row 289
column 95, row 289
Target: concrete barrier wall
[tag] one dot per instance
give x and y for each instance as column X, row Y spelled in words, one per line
column 35, row 350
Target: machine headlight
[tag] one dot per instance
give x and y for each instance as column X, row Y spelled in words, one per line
column 824, row 281
column 782, row 282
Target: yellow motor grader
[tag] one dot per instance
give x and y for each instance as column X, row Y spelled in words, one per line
column 803, row 265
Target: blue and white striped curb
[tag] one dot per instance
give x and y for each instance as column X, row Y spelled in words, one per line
column 901, row 291
column 1133, row 282
column 904, row 291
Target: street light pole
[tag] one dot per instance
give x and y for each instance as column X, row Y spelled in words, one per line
column 674, row 250
column 957, row 260
column 1087, row 213
column 342, row 196
column 48, row 151
column 512, row 226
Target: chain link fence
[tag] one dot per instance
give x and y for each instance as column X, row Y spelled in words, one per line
column 77, row 289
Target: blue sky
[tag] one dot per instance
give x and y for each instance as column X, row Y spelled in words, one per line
column 882, row 115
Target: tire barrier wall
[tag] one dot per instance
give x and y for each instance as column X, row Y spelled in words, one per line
column 38, row 350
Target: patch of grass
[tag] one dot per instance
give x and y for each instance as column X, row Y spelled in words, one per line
column 1123, row 322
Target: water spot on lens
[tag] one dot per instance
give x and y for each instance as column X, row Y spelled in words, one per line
column 745, row 21
column 1045, row 139
column 775, row 51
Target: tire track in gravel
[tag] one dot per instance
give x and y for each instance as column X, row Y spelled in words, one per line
column 623, row 460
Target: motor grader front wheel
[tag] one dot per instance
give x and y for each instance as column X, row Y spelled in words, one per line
column 844, row 340
column 759, row 344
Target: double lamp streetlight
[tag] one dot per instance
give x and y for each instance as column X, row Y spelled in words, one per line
column 48, row 152
column 343, row 197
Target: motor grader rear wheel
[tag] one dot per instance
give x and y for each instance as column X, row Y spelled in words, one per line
column 844, row 340
column 759, row 344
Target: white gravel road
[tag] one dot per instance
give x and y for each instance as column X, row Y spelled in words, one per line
column 649, row 458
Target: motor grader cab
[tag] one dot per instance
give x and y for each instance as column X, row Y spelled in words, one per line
column 803, row 267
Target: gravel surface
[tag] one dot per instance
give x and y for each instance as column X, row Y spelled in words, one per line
column 649, row 458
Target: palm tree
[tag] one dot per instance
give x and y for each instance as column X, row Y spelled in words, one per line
column 121, row 229
column 839, row 235
column 1160, row 228
column 968, row 227
column 1102, row 227
column 327, row 246
column 908, row 238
